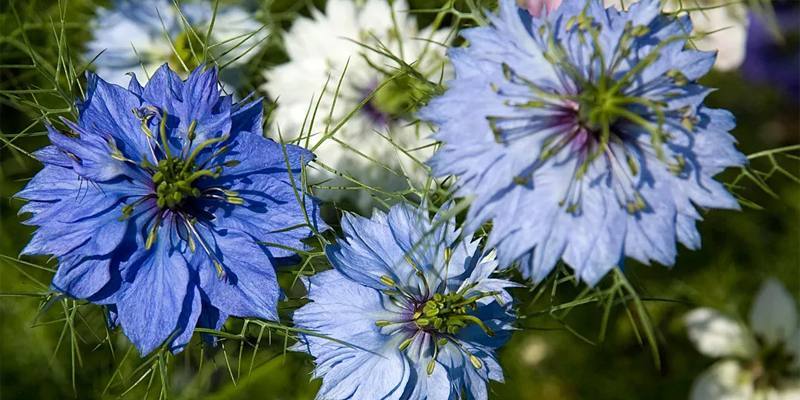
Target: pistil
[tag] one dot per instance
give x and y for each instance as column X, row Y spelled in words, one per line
column 449, row 313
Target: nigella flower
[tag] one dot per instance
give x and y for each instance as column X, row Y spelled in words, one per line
column 583, row 136
column 759, row 361
column 167, row 204
column 329, row 45
column 408, row 312
column 136, row 35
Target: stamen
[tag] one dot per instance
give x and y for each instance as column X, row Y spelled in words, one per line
column 448, row 254
column 152, row 234
column 127, row 210
column 476, row 362
column 190, row 161
column 431, row 366
column 217, row 265
column 387, row 281
column 162, row 129
column 145, row 120
column 405, row 343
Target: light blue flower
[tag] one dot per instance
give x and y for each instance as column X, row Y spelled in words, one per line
column 140, row 35
column 166, row 203
column 411, row 309
column 583, row 136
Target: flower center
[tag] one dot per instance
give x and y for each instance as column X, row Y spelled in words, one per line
column 449, row 313
column 596, row 109
column 774, row 366
column 440, row 317
column 392, row 98
column 174, row 175
column 175, row 178
column 173, row 181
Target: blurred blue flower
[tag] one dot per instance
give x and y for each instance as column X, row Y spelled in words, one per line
column 412, row 311
column 583, row 136
column 136, row 35
column 161, row 202
column 773, row 60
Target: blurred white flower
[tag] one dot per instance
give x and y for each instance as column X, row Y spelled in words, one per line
column 761, row 361
column 139, row 36
column 720, row 25
column 725, row 380
column 320, row 49
column 717, row 335
column 534, row 351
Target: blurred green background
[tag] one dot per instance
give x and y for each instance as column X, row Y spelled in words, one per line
column 546, row 359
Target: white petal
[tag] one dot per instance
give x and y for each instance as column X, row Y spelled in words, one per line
column 237, row 35
column 774, row 314
column 791, row 392
column 724, row 30
column 319, row 49
column 725, row 380
column 717, row 335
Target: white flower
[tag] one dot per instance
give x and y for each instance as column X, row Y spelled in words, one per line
column 717, row 335
column 534, row 351
column 720, row 25
column 139, row 36
column 725, row 380
column 761, row 361
column 319, row 50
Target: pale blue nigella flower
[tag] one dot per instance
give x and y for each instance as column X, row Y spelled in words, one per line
column 162, row 202
column 142, row 35
column 411, row 309
column 583, row 136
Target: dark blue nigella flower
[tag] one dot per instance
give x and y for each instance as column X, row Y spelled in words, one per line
column 162, row 202
column 774, row 60
column 412, row 308
column 583, row 136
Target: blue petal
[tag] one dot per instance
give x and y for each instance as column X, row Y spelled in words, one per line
column 202, row 103
column 81, row 278
column 247, row 117
column 62, row 238
column 165, row 90
column 343, row 309
column 249, row 287
column 92, row 155
column 211, row 318
column 273, row 211
column 259, row 155
column 163, row 301
column 134, row 86
column 70, row 213
column 368, row 365
column 370, row 252
column 366, row 376
column 52, row 155
column 108, row 110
